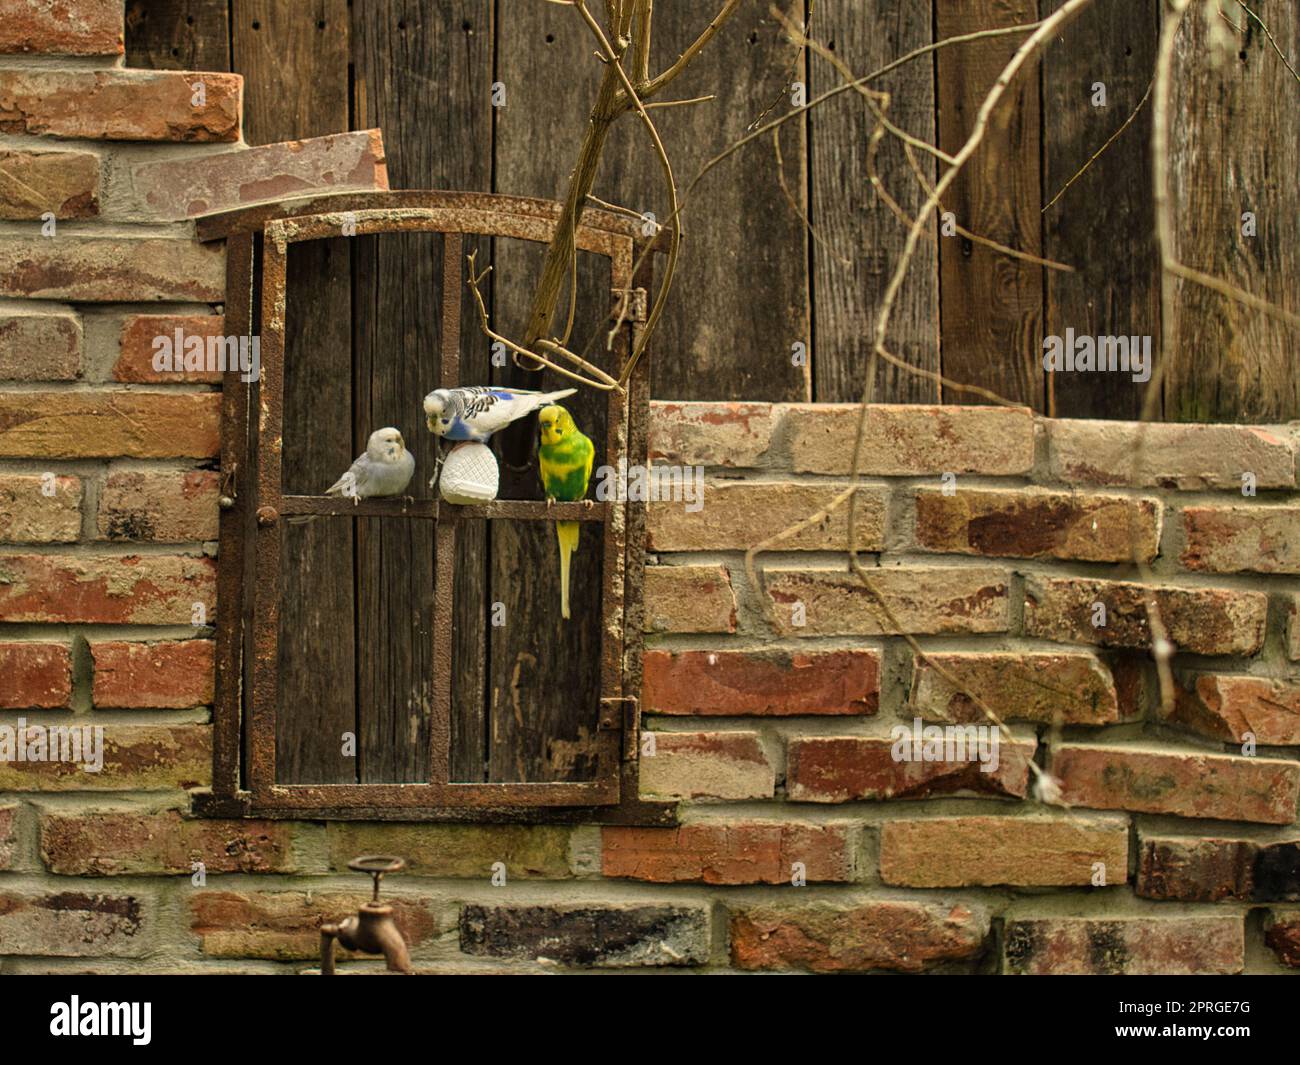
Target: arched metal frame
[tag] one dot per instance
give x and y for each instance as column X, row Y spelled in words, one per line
column 253, row 508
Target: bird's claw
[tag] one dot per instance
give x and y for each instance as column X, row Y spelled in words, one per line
column 588, row 503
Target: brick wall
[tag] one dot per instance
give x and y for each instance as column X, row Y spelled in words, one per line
column 804, row 844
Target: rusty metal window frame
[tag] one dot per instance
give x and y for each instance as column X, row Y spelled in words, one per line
column 254, row 506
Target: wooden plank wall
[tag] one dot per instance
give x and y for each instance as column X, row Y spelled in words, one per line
column 774, row 258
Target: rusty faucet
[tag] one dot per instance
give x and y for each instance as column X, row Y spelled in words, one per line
column 372, row 930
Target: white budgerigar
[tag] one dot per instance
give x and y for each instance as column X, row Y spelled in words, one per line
column 385, row 469
column 476, row 412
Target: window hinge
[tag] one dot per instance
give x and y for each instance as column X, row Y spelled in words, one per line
column 628, row 719
column 634, row 308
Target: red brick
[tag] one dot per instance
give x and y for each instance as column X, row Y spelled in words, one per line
column 37, row 676
column 1205, row 621
column 735, row 435
column 136, row 758
column 121, row 105
column 170, row 675
column 1228, row 708
column 1016, row 851
column 34, row 183
column 140, row 425
column 136, row 347
column 106, row 589
column 8, row 834
column 74, row 924
column 766, row 683
column 285, row 925
column 844, row 768
column 1182, row 783
column 825, row 937
column 722, row 852
column 95, row 269
column 736, row 515
column 1242, row 539
column 1282, row 935
column 108, row 843
column 185, row 187
column 924, row 599
column 911, row 440
column 168, row 506
column 1210, row 869
column 1168, row 455
column 40, row 347
column 1127, row 946
column 62, row 27
column 710, row 765
column 1075, row 689
column 29, row 516
column 689, row 599
column 1035, row 523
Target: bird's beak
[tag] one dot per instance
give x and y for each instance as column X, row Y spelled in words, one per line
column 429, row 422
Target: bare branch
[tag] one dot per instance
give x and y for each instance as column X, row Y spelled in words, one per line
column 654, row 85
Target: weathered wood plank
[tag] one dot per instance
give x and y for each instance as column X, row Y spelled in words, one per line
column 991, row 304
column 296, row 82
column 862, row 239
column 1104, row 223
column 1234, row 142
column 178, row 34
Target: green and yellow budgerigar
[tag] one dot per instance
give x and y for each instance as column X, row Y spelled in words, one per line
column 565, row 462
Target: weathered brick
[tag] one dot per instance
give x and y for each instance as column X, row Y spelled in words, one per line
column 74, row 924
column 135, row 758
column 843, row 768
column 730, row 852
column 40, row 347
column 1182, row 783
column 94, row 269
column 528, row 851
column 1016, row 851
column 142, row 425
column 37, row 676
column 593, row 935
column 1126, row 946
column 1168, row 455
column 1074, row 689
column 34, row 183
column 285, row 925
column 736, row 435
column 910, row 440
column 737, row 515
column 106, row 589
column 709, row 765
column 1282, row 935
column 689, row 599
column 137, row 346
column 39, row 509
column 1205, row 621
column 112, row 843
column 1293, row 628
column 62, row 27
column 1036, row 523
column 1210, row 869
column 923, row 599
column 164, row 506
column 765, row 683
column 169, row 675
column 1228, row 708
column 8, row 834
column 856, row 937
column 121, row 105
column 1242, row 539
column 185, row 187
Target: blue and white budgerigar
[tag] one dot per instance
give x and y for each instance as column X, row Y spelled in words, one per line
column 477, row 411
column 384, row 469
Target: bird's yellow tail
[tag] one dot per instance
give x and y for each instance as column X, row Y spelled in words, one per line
column 567, row 533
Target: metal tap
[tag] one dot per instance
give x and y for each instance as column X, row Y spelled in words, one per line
column 372, row 930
